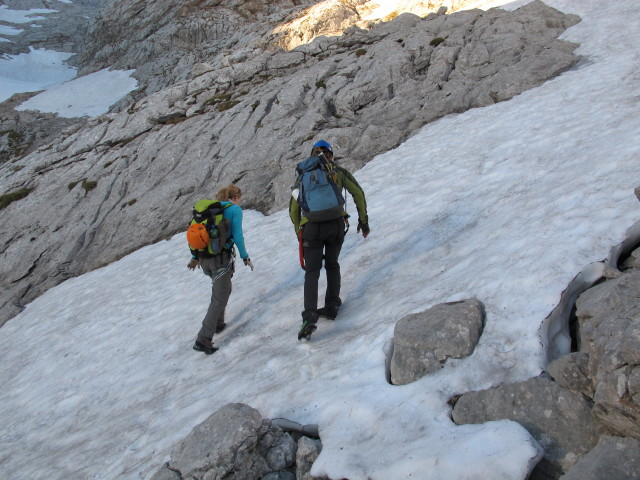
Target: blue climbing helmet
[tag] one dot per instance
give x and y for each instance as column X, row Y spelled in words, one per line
column 322, row 144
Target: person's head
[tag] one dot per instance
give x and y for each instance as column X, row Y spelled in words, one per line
column 324, row 147
column 230, row 193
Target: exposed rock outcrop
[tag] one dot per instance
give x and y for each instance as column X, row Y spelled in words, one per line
column 246, row 118
column 21, row 133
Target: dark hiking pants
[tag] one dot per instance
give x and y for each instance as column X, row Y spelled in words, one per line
column 321, row 240
column 220, row 270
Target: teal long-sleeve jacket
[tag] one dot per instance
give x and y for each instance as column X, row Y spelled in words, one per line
column 235, row 236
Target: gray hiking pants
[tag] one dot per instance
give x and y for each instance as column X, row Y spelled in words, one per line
column 220, row 270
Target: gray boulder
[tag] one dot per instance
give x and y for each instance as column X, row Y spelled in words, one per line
column 559, row 419
column 617, row 401
column 422, row 342
column 308, row 451
column 277, row 447
column 613, row 458
column 279, row 476
column 572, row 371
column 165, row 473
column 310, row 430
column 233, row 443
column 606, row 297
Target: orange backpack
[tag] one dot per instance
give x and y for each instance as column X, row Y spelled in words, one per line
column 197, row 236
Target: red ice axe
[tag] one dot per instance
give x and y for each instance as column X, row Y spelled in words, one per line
column 301, row 250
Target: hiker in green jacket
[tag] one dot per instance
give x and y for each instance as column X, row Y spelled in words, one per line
column 323, row 238
column 220, row 269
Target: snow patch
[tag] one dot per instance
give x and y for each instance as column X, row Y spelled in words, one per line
column 90, row 95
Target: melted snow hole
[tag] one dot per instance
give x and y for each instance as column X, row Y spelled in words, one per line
column 557, row 331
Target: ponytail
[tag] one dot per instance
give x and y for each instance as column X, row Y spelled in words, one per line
column 228, row 192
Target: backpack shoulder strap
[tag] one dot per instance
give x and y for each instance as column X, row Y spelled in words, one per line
column 224, row 226
column 310, row 163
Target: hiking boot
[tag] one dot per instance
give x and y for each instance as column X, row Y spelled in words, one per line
column 308, row 327
column 206, row 348
column 221, row 326
column 328, row 312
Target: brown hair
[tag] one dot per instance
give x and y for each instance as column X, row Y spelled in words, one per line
column 228, row 192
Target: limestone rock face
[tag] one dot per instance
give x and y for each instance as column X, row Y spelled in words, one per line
column 248, row 117
column 164, row 39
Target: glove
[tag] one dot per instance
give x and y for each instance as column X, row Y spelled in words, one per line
column 193, row 263
column 247, row 262
column 365, row 229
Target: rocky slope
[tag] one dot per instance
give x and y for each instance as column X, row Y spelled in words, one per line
column 163, row 40
column 107, row 187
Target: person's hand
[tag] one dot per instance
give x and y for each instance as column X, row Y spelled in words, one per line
column 248, row 263
column 365, row 229
column 193, row 263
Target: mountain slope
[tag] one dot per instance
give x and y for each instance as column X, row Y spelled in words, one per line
column 506, row 204
column 125, row 179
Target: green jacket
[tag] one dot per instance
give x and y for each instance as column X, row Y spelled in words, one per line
column 344, row 180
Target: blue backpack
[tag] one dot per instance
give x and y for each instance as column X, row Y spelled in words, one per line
column 319, row 196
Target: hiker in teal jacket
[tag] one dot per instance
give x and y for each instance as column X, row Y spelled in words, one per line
column 220, row 269
column 233, row 213
column 323, row 241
